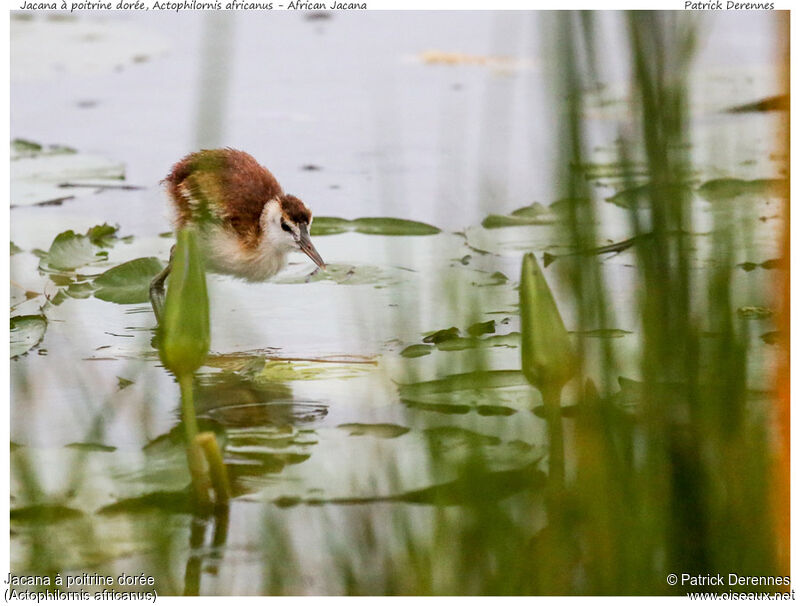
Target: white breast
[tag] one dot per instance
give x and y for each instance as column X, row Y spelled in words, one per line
column 227, row 256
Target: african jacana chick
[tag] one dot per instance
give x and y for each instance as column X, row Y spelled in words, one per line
column 247, row 224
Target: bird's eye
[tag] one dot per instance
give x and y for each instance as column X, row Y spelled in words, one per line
column 285, row 227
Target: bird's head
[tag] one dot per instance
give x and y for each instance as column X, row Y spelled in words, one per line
column 286, row 221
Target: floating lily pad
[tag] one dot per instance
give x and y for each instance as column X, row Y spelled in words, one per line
column 37, row 175
column 44, row 514
column 482, row 328
column 104, row 236
column 461, row 343
column 377, row 430
column 353, row 275
column 611, row 170
column 70, row 251
column 326, row 226
column 641, row 195
column 497, row 278
column 535, row 214
column 129, row 282
column 15, row 249
column 476, row 380
column 278, row 413
column 122, row 383
column 381, row 226
column 603, row 333
column 416, row 351
column 722, row 190
column 439, row 336
column 26, row 333
column 449, row 436
column 303, row 370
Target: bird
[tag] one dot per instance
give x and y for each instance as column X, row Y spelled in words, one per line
column 247, row 224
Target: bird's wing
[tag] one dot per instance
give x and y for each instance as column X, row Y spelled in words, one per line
column 224, row 186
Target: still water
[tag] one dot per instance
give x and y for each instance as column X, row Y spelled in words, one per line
column 437, row 117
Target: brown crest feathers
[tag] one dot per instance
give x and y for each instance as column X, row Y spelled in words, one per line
column 294, row 209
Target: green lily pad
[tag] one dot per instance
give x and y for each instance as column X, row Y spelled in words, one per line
column 351, row 275
column 22, row 147
column 722, row 190
column 482, row 328
column 602, row 333
column 70, row 251
column 476, row 380
column 38, row 173
column 378, row 430
column 387, row 226
column 450, row 437
column 416, row 351
column 128, row 282
column 535, row 214
column 26, row 333
column 306, row 370
column 642, row 194
column 80, row 290
column 122, row 383
column 104, row 235
column 15, row 249
column 462, row 343
column 44, row 513
column 327, row 226
column 442, row 335
column 380, row 226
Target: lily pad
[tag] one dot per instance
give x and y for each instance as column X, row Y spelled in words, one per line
column 352, row 275
column 461, row 343
column 26, row 333
column 440, row 336
column 380, row 226
column 482, row 328
column 378, row 430
column 37, row 175
column 44, row 513
column 104, row 236
column 80, row 290
column 641, row 195
column 70, row 251
column 416, row 351
column 535, row 214
column 476, row 380
column 723, row 190
column 304, row 370
column 327, row 226
column 129, row 282
column 603, row 333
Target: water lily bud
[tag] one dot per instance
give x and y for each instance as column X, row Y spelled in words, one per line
column 185, row 333
column 548, row 360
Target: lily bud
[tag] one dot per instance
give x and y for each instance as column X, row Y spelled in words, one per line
column 548, row 360
column 184, row 329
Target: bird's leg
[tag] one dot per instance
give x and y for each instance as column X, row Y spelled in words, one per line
column 157, row 287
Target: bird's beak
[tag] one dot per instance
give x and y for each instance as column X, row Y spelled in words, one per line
column 304, row 242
